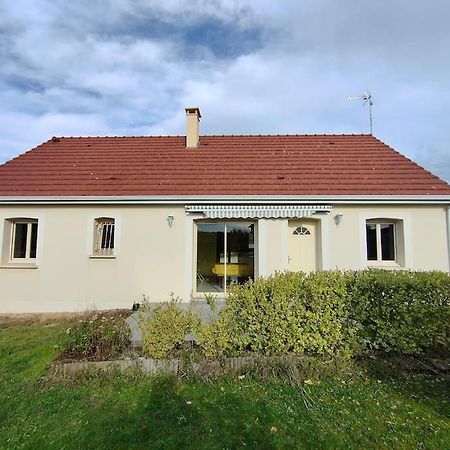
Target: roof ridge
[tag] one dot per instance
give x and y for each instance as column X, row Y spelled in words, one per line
column 117, row 137
column 215, row 135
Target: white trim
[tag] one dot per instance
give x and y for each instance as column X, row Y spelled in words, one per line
column 284, row 229
column 225, row 265
column 407, row 243
column 19, row 266
column 189, row 254
column 256, row 251
column 383, row 264
column 91, row 217
column 325, row 242
column 448, row 236
column 262, row 242
column 27, row 259
column 219, row 294
column 257, row 211
column 250, row 199
column 5, row 253
column 378, row 242
column 104, row 225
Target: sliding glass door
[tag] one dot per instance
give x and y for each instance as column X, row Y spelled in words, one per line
column 225, row 254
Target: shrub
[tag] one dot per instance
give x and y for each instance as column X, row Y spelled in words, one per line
column 164, row 327
column 285, row 313
column 99, row 337
column 333, row 313
column 401, row 311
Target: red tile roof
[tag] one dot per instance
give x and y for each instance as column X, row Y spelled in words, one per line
column 221, row 165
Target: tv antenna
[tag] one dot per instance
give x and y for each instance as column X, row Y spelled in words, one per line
column 367, row 99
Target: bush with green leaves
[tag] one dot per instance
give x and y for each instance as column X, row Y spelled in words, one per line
column 401, row 311
column 333, row 313
column 164, row 327
column 99, row 337
column 285, row 313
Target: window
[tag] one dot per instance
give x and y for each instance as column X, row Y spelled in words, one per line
column 23, row 239
column 104, row 236
column 225, row 254
column 381, row 241
column 301, row 231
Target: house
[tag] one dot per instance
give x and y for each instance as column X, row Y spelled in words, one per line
column 97, row 222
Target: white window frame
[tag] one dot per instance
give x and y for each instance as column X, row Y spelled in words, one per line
column 380, row 261
column 220, row 294
column 27, row 258
column 99, row 229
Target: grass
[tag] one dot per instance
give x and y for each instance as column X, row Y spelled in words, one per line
column 383, row 409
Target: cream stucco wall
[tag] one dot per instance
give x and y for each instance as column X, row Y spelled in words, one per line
column 150, row 259
column 155, row 259
column 424, row 235
column 272, row 246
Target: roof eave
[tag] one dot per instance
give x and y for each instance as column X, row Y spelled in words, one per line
column 231, row 199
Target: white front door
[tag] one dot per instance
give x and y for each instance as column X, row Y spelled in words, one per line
column 302, row 242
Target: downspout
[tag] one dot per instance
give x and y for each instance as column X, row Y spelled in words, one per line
column 448, row 236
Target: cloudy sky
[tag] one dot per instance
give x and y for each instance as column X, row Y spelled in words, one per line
column 129, row 67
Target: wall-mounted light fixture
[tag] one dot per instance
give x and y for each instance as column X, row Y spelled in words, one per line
column 338, row 218
column 170, row 220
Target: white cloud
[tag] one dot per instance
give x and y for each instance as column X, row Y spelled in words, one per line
column 130, row 67
column 22, row 131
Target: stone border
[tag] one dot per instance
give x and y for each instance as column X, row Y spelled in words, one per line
column 150, row 366
column 147, row 366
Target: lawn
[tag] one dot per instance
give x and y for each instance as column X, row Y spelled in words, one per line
column 384, row 409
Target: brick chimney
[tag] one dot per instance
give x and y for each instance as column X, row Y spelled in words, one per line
column 192, row 127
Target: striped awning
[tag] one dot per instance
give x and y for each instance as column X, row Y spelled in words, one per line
column 257, row 211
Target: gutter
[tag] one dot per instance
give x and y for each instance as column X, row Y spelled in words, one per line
column 230, row 199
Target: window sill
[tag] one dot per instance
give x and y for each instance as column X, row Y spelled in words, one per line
column 102, row 256
column 19, row 266
column 384, row 265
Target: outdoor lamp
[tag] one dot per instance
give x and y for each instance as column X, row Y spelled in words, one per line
column 338, row 218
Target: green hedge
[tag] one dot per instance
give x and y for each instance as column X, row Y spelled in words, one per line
column 286, row 313
column 328, row 313
column 401, row 311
